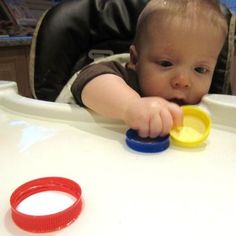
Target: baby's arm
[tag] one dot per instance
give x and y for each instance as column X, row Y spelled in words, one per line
column 110, row 96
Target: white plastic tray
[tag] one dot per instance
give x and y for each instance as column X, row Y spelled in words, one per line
column 176, row 192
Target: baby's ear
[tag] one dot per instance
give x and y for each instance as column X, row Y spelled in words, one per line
column 133, row 57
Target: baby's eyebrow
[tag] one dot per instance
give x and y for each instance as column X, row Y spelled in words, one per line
column 207, row 61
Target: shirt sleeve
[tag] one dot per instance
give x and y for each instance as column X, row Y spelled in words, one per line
column 89, row 72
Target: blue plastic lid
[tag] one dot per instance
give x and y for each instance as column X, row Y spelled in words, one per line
column 147, row 145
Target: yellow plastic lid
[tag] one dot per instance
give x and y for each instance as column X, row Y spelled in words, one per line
column 195, row 129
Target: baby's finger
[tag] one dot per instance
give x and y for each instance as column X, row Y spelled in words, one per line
column 143, row 130
column 176, row 113
column 155, row 126
column 167, row 122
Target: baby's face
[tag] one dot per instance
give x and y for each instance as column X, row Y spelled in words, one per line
column 177, row 63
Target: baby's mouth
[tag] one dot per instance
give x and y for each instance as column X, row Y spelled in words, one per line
column 178, row 101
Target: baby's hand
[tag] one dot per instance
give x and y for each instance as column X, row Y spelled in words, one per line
column 153, row 116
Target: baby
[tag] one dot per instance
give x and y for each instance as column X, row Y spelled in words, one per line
column 172, row 60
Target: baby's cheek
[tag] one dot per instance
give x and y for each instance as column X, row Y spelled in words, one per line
column 196, row 96
column 203, row 86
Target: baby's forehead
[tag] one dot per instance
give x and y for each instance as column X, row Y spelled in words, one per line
column 189, row 23
column 174, row 40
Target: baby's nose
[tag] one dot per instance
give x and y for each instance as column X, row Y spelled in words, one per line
column 182, row 80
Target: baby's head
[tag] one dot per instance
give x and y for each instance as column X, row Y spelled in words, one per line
column 176, row 47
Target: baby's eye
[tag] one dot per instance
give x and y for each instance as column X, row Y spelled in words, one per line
column 201, row 70
column 165, row 63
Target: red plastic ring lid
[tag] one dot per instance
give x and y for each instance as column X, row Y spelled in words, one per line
column 51, row 222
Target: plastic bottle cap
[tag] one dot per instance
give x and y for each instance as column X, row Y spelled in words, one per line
column 51, row 222
column 195, row 130
column 147, row 145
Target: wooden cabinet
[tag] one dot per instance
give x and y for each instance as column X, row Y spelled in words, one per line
column 14, row 66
